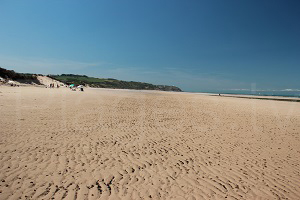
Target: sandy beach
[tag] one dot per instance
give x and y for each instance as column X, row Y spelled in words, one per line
column 126, row 144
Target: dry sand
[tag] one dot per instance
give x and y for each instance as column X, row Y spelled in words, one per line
column 44, row 80
column 122, row 144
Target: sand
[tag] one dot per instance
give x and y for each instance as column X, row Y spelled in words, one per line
column 125, row 144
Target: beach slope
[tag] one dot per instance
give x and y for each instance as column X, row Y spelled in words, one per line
column 126, row 144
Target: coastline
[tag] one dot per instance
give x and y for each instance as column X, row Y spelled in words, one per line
column 273, row 98
column 247, row 96
column 242, row 96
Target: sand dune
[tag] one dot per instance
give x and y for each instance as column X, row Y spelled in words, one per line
column 122, row 144
column 45, row 80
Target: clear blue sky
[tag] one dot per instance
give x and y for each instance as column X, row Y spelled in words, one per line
column 197, row 45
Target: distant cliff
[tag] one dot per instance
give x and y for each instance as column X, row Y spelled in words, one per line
column 110, row 83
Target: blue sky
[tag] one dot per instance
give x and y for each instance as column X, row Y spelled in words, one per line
column 196, row 45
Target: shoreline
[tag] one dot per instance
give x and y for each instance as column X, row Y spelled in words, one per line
column 272, row 98
column 248, row 96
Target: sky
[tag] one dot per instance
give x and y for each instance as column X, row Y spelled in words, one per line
column 197, row 45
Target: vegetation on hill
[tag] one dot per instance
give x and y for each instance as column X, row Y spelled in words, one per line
column 20, row 77
column 110, row 83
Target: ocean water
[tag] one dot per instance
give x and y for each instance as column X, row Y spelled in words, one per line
column 280, row 93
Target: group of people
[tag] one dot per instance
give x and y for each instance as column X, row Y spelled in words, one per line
column 52, row 85
column 74, row 88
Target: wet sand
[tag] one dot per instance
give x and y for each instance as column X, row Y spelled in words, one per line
column 273, row 98
column 125, row 144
